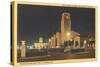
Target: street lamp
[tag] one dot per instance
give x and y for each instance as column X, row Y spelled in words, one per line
column 84, row 43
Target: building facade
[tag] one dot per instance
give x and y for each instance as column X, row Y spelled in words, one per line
column 66, row 33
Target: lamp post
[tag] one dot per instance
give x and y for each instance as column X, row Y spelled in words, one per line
column 84, row 43
column 23, row 49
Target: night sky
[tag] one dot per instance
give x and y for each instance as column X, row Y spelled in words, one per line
column 44, row 21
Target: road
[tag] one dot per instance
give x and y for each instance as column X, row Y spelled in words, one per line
column 59, row 56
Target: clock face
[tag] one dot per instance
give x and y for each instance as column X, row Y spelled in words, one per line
column 67, row 17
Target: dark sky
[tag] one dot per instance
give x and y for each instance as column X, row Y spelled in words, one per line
column 44, row 21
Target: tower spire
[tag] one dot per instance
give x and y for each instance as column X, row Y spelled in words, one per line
column 65, row 27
